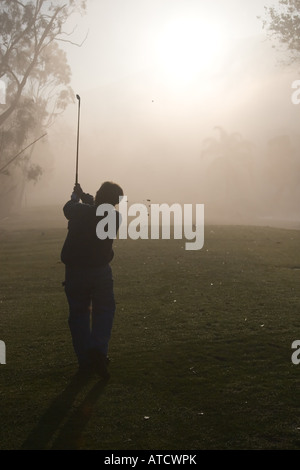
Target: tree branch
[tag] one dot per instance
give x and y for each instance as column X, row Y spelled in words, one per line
column 71, row 42
column 23, row 150
column 10, row 72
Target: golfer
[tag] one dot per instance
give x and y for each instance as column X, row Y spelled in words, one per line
column 88, row 277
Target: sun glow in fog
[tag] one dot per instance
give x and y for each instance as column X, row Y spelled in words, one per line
column 188, row 48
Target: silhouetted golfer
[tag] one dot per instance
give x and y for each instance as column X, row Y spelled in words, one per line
column 88, row 277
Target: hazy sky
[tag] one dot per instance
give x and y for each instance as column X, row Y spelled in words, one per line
column 126, row 36
column 155, row 77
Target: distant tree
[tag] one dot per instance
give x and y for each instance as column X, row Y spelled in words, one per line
column 36, row 72
column 28, row 46
column 231, row 147
column 281, row 173
column 227, row 171
column 283, row 23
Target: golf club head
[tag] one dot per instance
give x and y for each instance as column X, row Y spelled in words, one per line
column 78, row 97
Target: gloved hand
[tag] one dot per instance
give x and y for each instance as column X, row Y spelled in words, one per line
column 78, row 190
column 75, row 197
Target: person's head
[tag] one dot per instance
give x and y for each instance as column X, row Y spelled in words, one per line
column 108, row 193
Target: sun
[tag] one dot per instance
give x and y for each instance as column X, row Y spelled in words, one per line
column 188, row 48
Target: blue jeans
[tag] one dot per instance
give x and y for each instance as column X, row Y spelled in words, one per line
column 92, row 307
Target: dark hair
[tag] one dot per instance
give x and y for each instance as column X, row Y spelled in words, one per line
column 108, row 193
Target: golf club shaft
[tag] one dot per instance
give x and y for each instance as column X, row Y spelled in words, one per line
column 77, row 153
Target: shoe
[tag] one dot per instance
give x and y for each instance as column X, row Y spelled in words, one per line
column 100, row 363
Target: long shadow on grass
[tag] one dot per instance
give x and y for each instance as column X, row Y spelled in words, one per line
column 49, row 435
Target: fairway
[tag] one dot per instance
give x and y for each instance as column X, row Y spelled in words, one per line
column 200, row 352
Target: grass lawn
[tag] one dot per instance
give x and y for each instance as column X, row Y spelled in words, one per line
column 200, row 352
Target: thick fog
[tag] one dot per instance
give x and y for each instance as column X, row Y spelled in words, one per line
column 225, row 134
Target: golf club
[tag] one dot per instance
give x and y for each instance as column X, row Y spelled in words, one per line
column 76, row 174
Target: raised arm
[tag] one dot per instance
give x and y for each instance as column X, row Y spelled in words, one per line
column 73, row 208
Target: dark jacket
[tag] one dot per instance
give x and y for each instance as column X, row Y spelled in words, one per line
column 82, row 247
